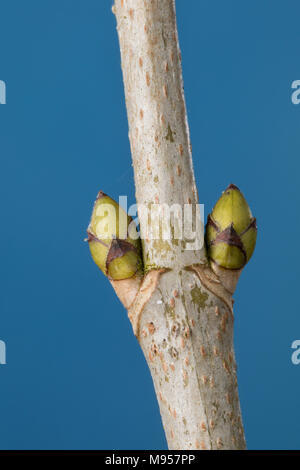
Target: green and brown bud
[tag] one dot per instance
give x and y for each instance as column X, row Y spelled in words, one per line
column 231, row 230
column 113, row 240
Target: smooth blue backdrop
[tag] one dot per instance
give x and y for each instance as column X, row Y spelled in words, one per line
column 75, row 377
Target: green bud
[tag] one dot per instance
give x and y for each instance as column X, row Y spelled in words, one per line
column 231, row 230
column 113, row 240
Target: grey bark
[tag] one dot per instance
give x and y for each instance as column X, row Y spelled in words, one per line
column 182, row 313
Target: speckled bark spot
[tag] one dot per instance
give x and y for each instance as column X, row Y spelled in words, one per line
column 219, row 443
column 154, row 349
column 151, row 328
column 204, row 379
column 186, row 332
column 169, row 135
column 185, row 378
column 147, row 79
column 175, row 330
column 226, row 366
column 173, row 352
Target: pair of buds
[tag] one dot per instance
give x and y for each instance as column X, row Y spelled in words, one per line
column 230, row 236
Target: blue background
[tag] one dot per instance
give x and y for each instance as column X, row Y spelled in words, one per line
column 75, row 377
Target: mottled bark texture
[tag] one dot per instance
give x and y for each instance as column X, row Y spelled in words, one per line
column 182, row 313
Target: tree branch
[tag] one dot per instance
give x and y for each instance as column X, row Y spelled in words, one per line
column 182, row 314
column 158, row 129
